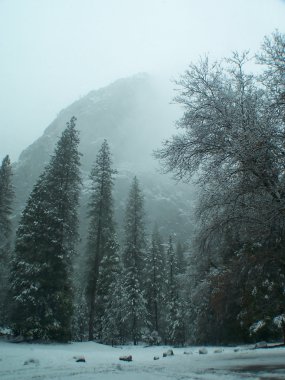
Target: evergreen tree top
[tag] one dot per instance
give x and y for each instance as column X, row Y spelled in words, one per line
column 102, row 181
column 136, row 199
column 103, row 164
column 5, row 170
column 66, row 153
column 171, row 261
column 6, row 187
column 135, row 210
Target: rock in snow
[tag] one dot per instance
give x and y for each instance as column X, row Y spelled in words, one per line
column 79, row 359
column 127, row 358
column 168, row 353
column 31, row 361
column 203, row 351
column 155, row 357
column 56, row 361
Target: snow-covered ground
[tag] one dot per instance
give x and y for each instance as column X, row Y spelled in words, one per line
column 57, row 361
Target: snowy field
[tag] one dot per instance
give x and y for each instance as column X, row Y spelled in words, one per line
column 38, row 361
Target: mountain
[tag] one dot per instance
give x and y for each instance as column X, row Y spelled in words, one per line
column 134, row 115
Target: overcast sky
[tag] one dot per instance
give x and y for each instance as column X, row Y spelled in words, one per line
column 54, row 51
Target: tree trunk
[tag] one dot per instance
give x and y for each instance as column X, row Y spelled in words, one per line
column 91, row 319
column 134, row 330
column 156, row 315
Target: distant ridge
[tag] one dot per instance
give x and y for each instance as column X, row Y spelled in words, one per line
column 134, row 115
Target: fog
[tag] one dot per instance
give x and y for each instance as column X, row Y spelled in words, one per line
column 55, row 51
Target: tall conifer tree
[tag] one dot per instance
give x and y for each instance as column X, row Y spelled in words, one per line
column 45, row 244
column 133, row 260
column 101, row 237
column 175, row 319
column 6, row 199
column 111, row 294
column 155, row 280
column 181, row 260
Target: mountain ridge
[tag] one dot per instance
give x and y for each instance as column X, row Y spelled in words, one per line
column 133, row 115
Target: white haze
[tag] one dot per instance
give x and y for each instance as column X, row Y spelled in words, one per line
column 55, row 51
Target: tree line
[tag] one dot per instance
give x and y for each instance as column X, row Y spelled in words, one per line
column 127, row 292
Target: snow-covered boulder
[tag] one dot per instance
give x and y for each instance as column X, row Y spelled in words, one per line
column 31, row 361
column 168, row 353
column 218, row 351
column 127, row 358
column 203, row 351
column 156, row 358
column 79, row 359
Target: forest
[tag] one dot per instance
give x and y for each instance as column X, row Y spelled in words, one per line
column 225, row 285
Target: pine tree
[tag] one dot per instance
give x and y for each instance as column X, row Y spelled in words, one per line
column 101, row 242
column 155, row 280
column 45, row 244
column 175, row 320
column 133, row 260
column 113, row 299
column 6, row 199
column 80, row 313
column 181, row 261
column 107, row 278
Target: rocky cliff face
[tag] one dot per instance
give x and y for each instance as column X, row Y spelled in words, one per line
column 134, row 116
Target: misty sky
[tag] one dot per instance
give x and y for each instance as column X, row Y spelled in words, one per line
column 55, row 51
